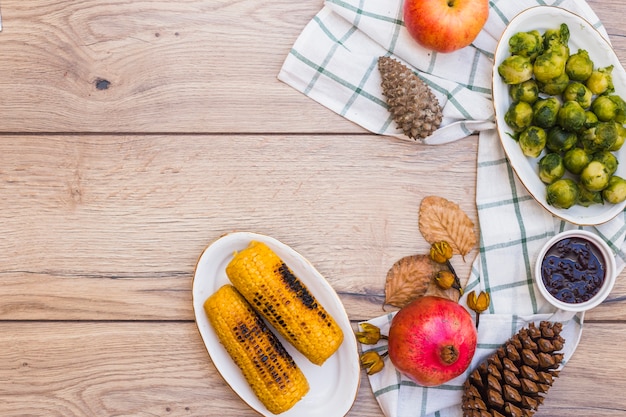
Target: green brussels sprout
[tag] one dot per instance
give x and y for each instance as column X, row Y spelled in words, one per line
column 571, row 116
column 515, row 69
column 575, row 160
column 562, row 193
column 519, row 116
column 527, row 91
column 545, row 111
column 605, row 108
column 549, row 66
column 601, row 137
column 615, row 192
column 578, row 92
column 601, row 81
column 587, row 198
column 556, row 36
column 608, row 159
column 528, row 44
column 551, row 168
column 621, row 137
column 620, row 114
column 556, row 86
column 560, row 140
column 595, row 176
column 532, row 141
column 591, row 119
column 579, row 66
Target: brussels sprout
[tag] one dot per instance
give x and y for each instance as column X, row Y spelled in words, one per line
column 575, row 160
column 515, row 69
column 551, row 168
column 587, row 198
column 579, row 66
column 608, row 159
column 621, row 137
column 549, row 66
column 620, row 114
column 556, row 36
column 527, row 91
column 601, row 81
column 528, row 44
column 591, row 119
column 571, row 116
column 519, row 116
column 602, row 137
column 532, row 141
column 560, row 140
column 595, row 176
column 562, row 193
column 545, row 111
column 556, row 86
column 605, row 108
column 615, row 192
column 579, row 93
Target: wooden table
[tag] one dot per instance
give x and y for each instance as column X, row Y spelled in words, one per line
column 134, row 133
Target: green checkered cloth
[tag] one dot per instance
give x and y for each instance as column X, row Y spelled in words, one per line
column 334, row 61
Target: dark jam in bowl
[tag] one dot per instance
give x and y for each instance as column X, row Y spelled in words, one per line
column 573, row 270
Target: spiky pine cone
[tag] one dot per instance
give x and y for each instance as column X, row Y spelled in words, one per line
column 513, row 381
column 413, row 106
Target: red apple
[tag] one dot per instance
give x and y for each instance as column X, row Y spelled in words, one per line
column 445, row 25
column 432, row 340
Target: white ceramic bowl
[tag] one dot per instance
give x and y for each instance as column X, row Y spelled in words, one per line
column 606, row 258
column 582, row 36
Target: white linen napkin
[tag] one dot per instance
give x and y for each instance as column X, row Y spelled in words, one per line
column 334, row 61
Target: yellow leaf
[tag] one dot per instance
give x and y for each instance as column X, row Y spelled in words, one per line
column 441, row 219
column 409, row 278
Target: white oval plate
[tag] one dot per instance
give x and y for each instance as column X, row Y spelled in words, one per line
column 582, row 36
column 334, row 385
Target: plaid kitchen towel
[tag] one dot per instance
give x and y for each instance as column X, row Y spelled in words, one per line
column 334, row 61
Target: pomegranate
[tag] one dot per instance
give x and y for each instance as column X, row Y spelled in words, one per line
column 432, row 340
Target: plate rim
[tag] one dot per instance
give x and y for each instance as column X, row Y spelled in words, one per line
column 344, row 319
column 615, row 209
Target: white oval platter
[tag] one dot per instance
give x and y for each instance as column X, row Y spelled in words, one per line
column 334, row 385
column 582, row 36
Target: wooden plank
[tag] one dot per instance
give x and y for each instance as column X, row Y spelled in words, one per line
column 145, row 369
column 110, row 227
column 157, row 66
column 116, row 231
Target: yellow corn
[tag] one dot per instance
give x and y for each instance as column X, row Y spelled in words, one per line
column 285, row 302
column 269, row 369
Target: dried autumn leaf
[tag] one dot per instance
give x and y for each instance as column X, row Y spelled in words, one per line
column 409, row 278
column 441, row 219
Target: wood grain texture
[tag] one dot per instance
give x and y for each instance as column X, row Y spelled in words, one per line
column 103, row 369
column 116, row 231
column 183, row 66
column 133, row 134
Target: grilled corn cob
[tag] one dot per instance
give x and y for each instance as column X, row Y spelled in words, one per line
column 269, row 369
column 285, row 302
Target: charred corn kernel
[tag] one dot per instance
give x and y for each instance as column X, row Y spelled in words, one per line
column 270, row 370
column 285, row 302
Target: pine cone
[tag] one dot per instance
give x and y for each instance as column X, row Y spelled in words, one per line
column 412, row 104
column 513, row 381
